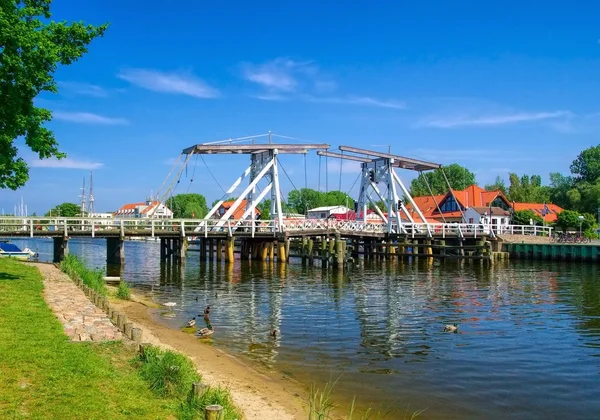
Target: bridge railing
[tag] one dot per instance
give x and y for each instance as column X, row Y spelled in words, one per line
column 36, row 226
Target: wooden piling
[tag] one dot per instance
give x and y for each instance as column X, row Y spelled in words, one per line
column 309, row 250
column 202, row 249
column 136, row 334
column 281, row 254
column 212, row 412
column 198, row 389
column 271, row 246
column 264, row 251
column 127, row 329
column 230, row 245
column 339, row 256
column 219, row 250
column 287, row 249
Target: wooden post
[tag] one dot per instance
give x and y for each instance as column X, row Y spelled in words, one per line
column 198, row 389
column 309, row 250
column 143, row 348
column 271, row 246
column 442, row 248
column 115, row 316
column 121, row 320
column 127, row 329
column 136, row 334
column 61, row 248
column 230, row 244
column 287, row 249
column 202, row 249
column 428, row 249
column 211, row 249
column 331, row 247
column 304, row 250
column 281, row 254
column 324, row 256
column 339, row 258
column 264, row 251
column 343, row 252
column 213, row 412
column 219, row 250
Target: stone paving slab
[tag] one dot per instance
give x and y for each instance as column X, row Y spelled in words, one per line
column 82, row 320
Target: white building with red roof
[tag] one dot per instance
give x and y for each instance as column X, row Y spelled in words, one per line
column 144, row 210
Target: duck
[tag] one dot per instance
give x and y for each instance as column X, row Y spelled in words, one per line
column 191, row 322
column 273, row 333
column 451, row 328
column 170, row 304
column 206, row 331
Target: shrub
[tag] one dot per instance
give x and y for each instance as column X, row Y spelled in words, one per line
column 123, row 291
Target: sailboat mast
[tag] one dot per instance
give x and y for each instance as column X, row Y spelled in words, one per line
column 91, row 200
column 82, row 205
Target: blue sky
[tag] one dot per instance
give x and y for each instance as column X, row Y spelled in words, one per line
column 497, row 88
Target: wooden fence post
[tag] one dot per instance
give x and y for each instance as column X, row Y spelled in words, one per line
column 213, row 412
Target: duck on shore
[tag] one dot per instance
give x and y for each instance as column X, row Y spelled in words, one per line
column 273, row 333
column 451, row 328
column 191, row 322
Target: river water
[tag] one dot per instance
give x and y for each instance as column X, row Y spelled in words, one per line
column 528, row 345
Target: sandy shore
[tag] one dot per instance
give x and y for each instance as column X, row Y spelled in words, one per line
column 260, row 395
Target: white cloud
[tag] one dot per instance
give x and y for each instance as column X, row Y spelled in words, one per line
column 490, row 120
column 285, row 79
column 66, row 163
column 280, row 74
column 80, row 88
column 87, row 118
column 360, row 100
column 169, row 82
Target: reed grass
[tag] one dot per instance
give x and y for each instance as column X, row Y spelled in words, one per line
column 322, row 407
column 75, row 268
column 123, row 291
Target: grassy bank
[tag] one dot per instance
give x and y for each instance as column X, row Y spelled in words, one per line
column 75, row 268
column 46, row 376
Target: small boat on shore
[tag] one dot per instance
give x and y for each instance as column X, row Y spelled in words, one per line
column 11, row 250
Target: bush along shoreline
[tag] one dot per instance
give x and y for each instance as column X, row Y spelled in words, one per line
column 168, row 374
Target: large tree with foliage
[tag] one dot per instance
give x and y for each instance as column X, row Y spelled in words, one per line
column 305, row 199
column 497, row 185
column 187, row 206
column 524, row 217
column 65, row 210
column 31, row 48
column 458, row 176
column 526, row 189
column 587, row 165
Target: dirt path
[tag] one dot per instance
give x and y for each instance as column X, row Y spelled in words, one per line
column 265, row 396
column 82, row 320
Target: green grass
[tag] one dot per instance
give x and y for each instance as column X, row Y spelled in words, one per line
column 172, row 374
column 75, row 268
column 168, row 373
column 46, row 376
column 123, row 291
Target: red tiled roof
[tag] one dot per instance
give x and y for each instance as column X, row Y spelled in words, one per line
column 538, row 208
column 496, row 211
column 239, row 212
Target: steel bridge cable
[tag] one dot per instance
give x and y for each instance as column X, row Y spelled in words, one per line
column 212, row 175
column 168, row 176
column 236, row 140
column 432, row 196
column 193, row 174
column 319, row 182
column 291, row 182
column 162, row 200
column 341, row 166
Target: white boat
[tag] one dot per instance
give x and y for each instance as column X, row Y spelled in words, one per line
column 11, row 250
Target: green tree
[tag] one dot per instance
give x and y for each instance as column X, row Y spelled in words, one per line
column 380, row 205
column 458, row 176
column 304, row 199
column 265, row 209
column 528, row 189
column 587, row 165
column 65, row 210
column 336, row 198
column 560, row 186
column 498, row 185
column 31, row 48
column 568, row 219
column 187, row 206
column 523, row 217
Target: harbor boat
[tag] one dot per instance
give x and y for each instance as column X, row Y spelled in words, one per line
column 11, row 250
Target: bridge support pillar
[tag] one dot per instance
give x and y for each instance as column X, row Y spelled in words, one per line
column 115, row 251
column 219, row 250
column 203, row 250
column 61, row 248
column 211, row 249
column 264, row 251
column 428, row 249
column 309, row 250
column 281, row 254
column 287, row 249
column 324, row 256
column 229, row 247
column 339, row 253
column 442, row 244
